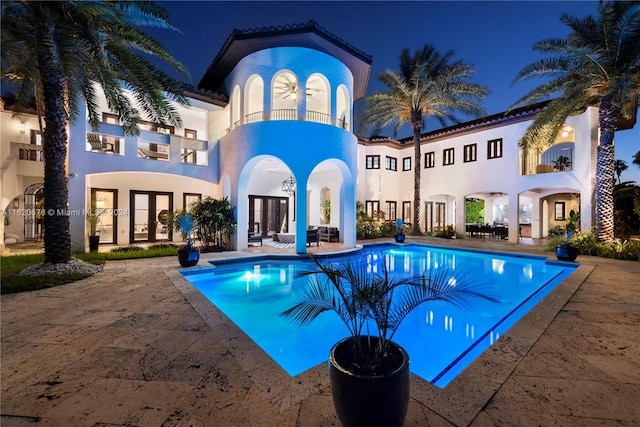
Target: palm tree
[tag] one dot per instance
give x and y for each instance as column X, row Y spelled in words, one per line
column 427, row 84
column 620, row 166
column 63, row 52
column 597, row 64
column 636, row 159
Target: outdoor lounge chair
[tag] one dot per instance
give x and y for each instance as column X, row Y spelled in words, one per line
column 149, row 154
column 97, row 145
column 255, row 238
column 313, row 236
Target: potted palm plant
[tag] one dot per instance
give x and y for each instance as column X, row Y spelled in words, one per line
column 182, row 221
column 566, row 251
column 369, row 372
column 399, row 236
column 93, row 218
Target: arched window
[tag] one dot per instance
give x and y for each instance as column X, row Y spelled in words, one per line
column 318, row 99
column 254, row 99
column 343, row 108
column 284, row 97
column 235, row 108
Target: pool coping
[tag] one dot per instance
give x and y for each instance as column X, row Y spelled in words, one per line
column 459, row 402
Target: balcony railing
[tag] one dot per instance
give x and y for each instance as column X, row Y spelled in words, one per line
column 32, row 155
column 342, row 123
column 318, row 117
column 288, row 114
column 253, row 117
column 284, row 114
column 553, row 160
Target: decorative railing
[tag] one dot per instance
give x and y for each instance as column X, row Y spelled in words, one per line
column 284, row 114
column 552, row 160
column 253, row 117
column 318, row 117
column 288, row 114
column 342, row 123
column 32, row 155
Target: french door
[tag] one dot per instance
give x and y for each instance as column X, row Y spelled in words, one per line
column 149, row 222
column 268, row 215
column 104, row 202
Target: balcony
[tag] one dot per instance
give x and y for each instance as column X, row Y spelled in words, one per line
column 106, row 144
column 289, row 114
column 552, row 160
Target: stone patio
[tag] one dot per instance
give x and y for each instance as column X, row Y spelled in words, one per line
column 136, row 345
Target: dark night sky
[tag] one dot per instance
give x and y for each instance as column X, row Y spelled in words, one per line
column 495, row 36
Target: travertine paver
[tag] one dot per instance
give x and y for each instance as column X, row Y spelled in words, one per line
column 135, row 345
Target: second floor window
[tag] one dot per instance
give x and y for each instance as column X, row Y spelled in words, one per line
column 406, row 164
column 429, row 159
column 470, row 153
column 112, row 119
column 494, row 148
column 448, row 156
column 391, row 163
column 190, row 133
column 373, row 162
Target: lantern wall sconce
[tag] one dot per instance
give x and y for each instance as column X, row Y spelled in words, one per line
column 22, row 127
column 289, row 185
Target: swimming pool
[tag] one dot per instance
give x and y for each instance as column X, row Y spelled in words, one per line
column 441, row 339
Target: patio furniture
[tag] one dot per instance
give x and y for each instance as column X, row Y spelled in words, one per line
column 97, row 144
column 313, row 236
column 150, row 154
column 500, row 232
column 254, row 238
column 329, row 234
column 284, row 237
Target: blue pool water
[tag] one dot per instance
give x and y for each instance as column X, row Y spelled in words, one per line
column 441, row 339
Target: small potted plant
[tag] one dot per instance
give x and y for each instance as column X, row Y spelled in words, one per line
column 565, row 251
column 399, row 236
column 188, row 255
column 93, row 219
column 369, row 373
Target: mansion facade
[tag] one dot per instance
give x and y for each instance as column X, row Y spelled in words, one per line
column 270, row 126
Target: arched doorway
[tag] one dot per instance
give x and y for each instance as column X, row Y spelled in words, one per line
column 34, row 218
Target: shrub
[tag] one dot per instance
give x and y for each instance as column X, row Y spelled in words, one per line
column 130, row 248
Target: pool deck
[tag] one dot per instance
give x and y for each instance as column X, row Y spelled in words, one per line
column 136, row 345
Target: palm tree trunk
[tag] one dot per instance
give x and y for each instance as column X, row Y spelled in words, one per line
column 57, row 236
column 605, row 169
column 416, row 126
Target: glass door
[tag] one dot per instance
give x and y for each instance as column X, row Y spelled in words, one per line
column 149, row 222
column 268, row 215
column 104, row 203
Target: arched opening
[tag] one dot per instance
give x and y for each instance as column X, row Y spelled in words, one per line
column 343, row 108
column 318, row 99
column 33, row 218
column 235, row 108
column 271, row 205
column 254, row 100
column 284, row 94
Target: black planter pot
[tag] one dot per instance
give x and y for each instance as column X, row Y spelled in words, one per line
column 188, row 257
column 362, row 400
column 399, row 238
column 94, row 242
column 566, row 252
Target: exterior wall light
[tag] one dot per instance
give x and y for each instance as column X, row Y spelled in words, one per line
column 22, row 127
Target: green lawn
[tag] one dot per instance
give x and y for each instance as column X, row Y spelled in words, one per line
column 11, row 265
